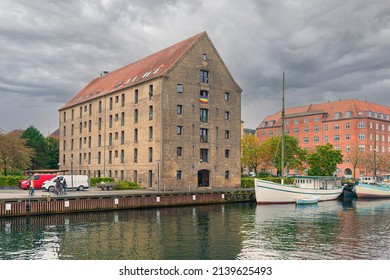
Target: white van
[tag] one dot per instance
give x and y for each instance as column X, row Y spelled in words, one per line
column 75, row 182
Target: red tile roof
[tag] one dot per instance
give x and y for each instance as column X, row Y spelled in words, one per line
column 137, row 72
column 329, row 109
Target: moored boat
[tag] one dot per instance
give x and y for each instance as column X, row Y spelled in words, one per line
column 374, row 189
column 308, row 200
column 325, row 187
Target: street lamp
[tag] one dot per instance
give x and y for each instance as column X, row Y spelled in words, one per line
column 71, row 172
column 158, row 175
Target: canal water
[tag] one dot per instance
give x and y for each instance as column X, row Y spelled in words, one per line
column 335, row 230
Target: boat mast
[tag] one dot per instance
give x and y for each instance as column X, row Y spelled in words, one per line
column 375, row 155
column 282, row 164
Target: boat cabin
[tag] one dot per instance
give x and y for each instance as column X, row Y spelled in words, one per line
column 317, row 182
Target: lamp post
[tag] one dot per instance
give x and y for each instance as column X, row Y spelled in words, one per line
column 71, row 172
column 158, row 175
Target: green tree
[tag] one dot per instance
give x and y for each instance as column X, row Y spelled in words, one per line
column 52, row 152
column 15, row 155
column 323, row 161
column 250, row 147
column 37, row 141
column 294, row 156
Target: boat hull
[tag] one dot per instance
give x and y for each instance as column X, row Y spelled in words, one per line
column 372, row 191
column 308, row 200
column 272, row 193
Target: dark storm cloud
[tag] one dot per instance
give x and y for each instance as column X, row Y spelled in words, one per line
column 49, row 50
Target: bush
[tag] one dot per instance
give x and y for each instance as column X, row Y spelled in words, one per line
column 123, row 185
column 12, row 181
column 247, row 182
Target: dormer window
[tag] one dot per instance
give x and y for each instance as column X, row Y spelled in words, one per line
column 337, row 115
column 271, row 123
column 348, row 114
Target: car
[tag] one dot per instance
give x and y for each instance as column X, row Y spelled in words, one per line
column 38, row 180
column 73, row 182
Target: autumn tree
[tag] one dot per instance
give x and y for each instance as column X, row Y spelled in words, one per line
column 356, row 157
column 323, row 161
column 250, row 147
column 15, row 155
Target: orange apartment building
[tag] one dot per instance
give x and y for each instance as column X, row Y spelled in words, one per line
column 349, row 125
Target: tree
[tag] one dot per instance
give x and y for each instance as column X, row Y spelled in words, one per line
column 37, row 141
column 250, row 147
column 356, row 157
column 323, row 161
column 52, row 152
column 15, row 155
column 294, row 156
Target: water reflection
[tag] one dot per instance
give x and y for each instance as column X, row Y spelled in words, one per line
column 352, row 229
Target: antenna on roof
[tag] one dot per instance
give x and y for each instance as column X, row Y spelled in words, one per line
column 103, row 73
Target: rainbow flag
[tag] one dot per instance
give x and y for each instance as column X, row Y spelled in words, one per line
column 204, row 99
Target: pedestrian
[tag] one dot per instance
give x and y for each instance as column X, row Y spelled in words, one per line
column 31, row 187
column 64, row 185
column 58, row 186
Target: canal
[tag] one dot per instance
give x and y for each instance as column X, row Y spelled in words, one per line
column 335, row 230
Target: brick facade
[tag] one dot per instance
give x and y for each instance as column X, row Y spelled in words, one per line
column 346, row 124
column 143, row 122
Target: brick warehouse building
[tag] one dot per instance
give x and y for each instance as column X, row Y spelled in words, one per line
column 171, row 120
column 349, row 125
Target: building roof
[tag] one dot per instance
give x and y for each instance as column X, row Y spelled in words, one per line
column 329, row 110
column 137, row 72
column 55, row 134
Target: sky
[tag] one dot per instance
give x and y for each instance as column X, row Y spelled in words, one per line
column 328, row 50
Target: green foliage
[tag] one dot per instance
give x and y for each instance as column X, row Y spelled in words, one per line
column 247, row 182
column 35, row 140
column 52, row 152
column 12, row 181
column 123, row 185
column 323, row 161
column 95, row 180
column 251, row 153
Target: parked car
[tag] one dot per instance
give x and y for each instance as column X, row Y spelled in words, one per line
column 38, row 180
column 73, row 182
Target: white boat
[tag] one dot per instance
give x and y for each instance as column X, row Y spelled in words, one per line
column 308, row 200
column 324, row 187
column 374, row 189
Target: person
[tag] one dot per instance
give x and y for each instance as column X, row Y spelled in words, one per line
column 64, row 185
column 58, row 186
column 31, row 187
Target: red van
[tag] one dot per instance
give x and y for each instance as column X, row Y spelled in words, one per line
column 38, row 180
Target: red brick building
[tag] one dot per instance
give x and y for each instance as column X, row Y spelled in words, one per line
column 349, row 125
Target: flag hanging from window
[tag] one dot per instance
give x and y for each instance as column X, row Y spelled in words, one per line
column 204, row 99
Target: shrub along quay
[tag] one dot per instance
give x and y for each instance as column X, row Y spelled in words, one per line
column 116, row 200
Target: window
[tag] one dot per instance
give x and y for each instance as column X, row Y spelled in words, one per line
column 111, row 103
column 270, row 133
column 122, row 156
column 179, row 130
column 227, row 96
column 205, row 56
column 306, row 129
column 316, row 139
column 204, row 115
column 306, row 120
column 337, row 115
column 347, row 136
column 179, row 109
column 227, row 174
column 204, row 76
column 116, row 99
column 178, row 174
column 150, row 113
column 135, row 115
column 110, row 157
column 227, row 115
column 99, row 140
column 122, row 118
column 136, row 96
column 123, row 100
column 347, row 125
column 361, row 124
column 136, row 135
column 179, row 151
column 316, row 119
column 361, row 136
column 135, row 155
column 336, row 126
column 122, row 137
column 204, row 135
column 100, row 106
column 99, row 157
column 150, row 154
column 150, row 133
column 326, row 139
column 227, row 153
column 150, row 92
column 179, row 88
column 326, row 127
column 110, row 121
column 227, row 134
column 296, row 121
column 110, row 139
column 347, row 148
column 348, row 114
column 305, row 140
column 362, row 148
column 316, row 128
column 204, row 155
column 296, row 130
column 337, row 137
